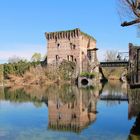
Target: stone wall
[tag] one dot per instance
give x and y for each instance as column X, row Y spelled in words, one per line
column 134, row 64
column 69, row 45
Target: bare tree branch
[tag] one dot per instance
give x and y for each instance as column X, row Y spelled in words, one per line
column 131, row 22
column 134, row 7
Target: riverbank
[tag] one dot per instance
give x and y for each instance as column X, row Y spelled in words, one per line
column 113, row 73
column 34, row 73
column 25, row 74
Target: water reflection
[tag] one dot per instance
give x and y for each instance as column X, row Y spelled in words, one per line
column 134, row 111
column 72, row 109
column 69, row 108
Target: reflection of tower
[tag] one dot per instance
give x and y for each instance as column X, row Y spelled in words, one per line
column 72, row 111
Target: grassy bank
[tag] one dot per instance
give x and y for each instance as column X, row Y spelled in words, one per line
column 33, row 73
column 113, row 73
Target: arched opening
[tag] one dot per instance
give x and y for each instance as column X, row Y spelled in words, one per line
column 84, row 81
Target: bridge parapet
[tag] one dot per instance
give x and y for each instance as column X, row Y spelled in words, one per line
column 114, row 64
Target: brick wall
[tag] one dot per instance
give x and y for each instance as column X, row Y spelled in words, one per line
column 69, row 45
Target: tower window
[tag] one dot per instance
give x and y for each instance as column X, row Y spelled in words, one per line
column 68, row 57
column 89, row 54
column 70, row 45
column 57, row 57
column 58, row 45
column 71, row 57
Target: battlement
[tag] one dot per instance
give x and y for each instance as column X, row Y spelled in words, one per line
column 67, row 34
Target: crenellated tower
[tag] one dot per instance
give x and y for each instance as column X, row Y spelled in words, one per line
column 71, row 45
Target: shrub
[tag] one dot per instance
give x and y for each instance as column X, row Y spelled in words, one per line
column 67, row 70
column 18, row 68
column 1, row 74
column 87, row 74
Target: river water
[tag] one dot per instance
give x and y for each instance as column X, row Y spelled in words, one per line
column 106, row 112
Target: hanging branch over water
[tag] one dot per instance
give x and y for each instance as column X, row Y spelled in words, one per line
column 132, row 9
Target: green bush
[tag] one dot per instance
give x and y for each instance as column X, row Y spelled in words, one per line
column 1, row 74
column 87, row 74
column 67, row 70
column 18, row 68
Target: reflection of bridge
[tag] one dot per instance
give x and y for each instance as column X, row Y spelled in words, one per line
column 114, row 64
column 110, row 97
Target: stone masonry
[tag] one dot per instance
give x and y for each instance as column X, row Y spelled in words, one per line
column 134, row 64
column 72, row 45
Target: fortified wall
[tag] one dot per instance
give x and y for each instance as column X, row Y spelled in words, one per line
column 71, row 45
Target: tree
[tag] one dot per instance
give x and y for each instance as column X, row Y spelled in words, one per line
column 111, row 55
column 1, row 74
column 131, row 10
column 36, row 57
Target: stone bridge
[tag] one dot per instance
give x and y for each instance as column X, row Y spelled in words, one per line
column 114, row 64
column 115, row 70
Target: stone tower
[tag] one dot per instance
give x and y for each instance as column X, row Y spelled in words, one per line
column 72, row 45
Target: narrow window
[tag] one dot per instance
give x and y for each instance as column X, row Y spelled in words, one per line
column 70, row 45
column 71, row 57
column 74, row 46
column 55, row 38
column 57, row 57
column 89, row 54
column 58, row 45
column 68, row 57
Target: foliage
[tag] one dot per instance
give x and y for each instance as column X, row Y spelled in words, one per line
column 36, row 57
column 113, row 73
column 88, row 74
column 1, row 74
column 18, row 68
column 66, row 70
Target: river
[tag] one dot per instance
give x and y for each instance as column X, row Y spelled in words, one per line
column 66, row 112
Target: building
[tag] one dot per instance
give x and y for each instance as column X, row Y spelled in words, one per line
column 134, row 65
column 72, row 45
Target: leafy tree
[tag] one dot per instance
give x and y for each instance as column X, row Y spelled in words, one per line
column 67, row 70
column 1, row 74
column 18, row 68
column 36, row 57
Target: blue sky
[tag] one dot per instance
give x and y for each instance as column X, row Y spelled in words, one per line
column 23, row 24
